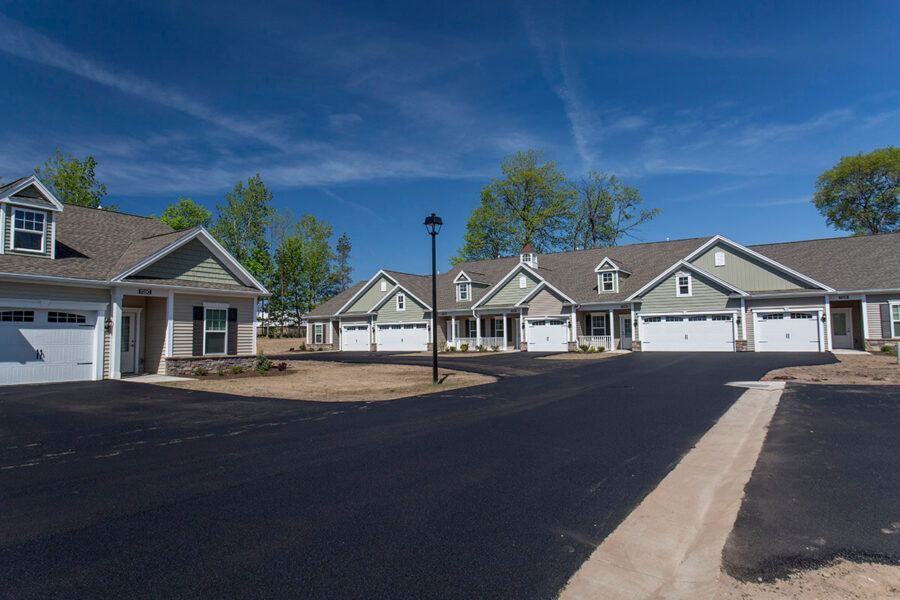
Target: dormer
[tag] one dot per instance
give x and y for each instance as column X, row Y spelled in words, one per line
column 28, row 218
column 609, row 275
column 528, row 256
column 463, row 285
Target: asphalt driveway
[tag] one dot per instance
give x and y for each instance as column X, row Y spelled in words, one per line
column 826, row 485
column 117, row 489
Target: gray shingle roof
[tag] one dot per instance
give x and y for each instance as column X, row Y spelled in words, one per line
column 329, row 307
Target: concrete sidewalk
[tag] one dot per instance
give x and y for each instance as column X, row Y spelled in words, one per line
column 671, row 545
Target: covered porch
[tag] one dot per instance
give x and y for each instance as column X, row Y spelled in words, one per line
column 494, row 329
column 847, row 329
column 609, row 328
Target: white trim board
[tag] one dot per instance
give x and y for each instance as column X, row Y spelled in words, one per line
column 391, row 292
column 363, row 290
column 32, row 180
column 683, row 264
column 537, row 289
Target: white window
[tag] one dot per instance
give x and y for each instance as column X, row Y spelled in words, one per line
column 319, row 335
column 17, row 316
column 401, row 302
column 63, row 317
column 523, row 281
column 471, row 328
column 383, row 285
column 462, row 291
column 682, row 284
column 895, row 320
column 29, row 228
column 598, row 325
column 720, row 259
column 608, row 282
column 215, row 330
column 498, row 328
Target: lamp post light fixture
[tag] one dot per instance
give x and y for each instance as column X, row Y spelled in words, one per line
column 433, row 225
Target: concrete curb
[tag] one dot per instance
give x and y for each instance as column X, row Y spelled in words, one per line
column 671, row 545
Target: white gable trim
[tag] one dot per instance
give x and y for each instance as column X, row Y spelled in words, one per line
column 506, row 278
column 363, row 290
column 460, row 276
column 392, row 292
column 683, row 264
column 32, row 180
column 612, row 266
column 537, row 290
column 774, row 263
column 211, row 244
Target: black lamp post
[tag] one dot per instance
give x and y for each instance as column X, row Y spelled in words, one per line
column 433, row 226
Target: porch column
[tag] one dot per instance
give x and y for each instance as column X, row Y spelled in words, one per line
column 452, row 336
column 477, row 330
column 743, row 319
column 635, row 337
column 505, row 331
column 255, row 321
column 826, row 326
column 170, row 325
column 865, row 320
column 573, row 335
column 115, row 342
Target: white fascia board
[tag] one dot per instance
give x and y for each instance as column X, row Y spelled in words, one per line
column 499, row 285
column 543, row 285
column 461, row 274
column 20, row 303
column 188, row 289
column 394, row 290
column 222, row 254
column 56, row 280
column 612, row 266
column 762, row 257
column 683, row 264
column 363, row 290
column 33, row 180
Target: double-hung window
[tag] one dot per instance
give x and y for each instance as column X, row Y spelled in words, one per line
column 463, row 293
column 29, row 229
column 471, row 328
column 598, row 325
column 319, row 335
column 608, row 281
column 895, row 320
column 215, row 330
column 498, row 328
column 682, row 284
column 401, row 302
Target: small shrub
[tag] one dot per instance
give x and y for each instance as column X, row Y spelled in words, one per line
column 263, row 364
column 282, row 366
column 237, row 370
column 302, row 348
column 221, row 372
column 591, row 350
column 480, row 347
column 583, row 347
column 494, row 348
column 201, row 371
column 601, row 349
column 319, row 349
column 464, row 348
column 887, row 349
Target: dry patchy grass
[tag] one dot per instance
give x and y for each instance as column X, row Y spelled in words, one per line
column 851, row 369
column 842, row 580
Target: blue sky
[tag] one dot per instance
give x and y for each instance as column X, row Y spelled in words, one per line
column 372, row 116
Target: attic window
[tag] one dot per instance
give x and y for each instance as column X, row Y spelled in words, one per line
column 720, row 259
column 28, row 230
column 682, row 284
column 607, row 281
column 401, row 302
column 523, row 281
column 462, row 291
column 383, row 285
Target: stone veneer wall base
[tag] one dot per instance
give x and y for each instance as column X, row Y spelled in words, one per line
column 635, row 345
column 185, row 365
column 874, row 345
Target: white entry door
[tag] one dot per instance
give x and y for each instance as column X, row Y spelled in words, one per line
column 687, row 333
column 625, row 332
column 355, row 338
column 398, row 338
column 128, row 347
column 41, row 346
column 841, row 328
column 787, row 331
column 549, row 335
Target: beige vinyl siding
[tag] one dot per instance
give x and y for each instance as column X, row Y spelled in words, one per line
column 183, row 316
column 546, row 302
column 746, row 272
column 873, row 312
column 388, row 312
column 36, row 291
column 705, row 295
column 48, row 233
column 371, row 296
column 511, row 293
column 155, row 335
column 191, row 262
column 779, row 303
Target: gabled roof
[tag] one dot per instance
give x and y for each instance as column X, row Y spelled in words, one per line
column 608, row 265
column 393, row 291
column 348, row 302
column 18, row 192
column 506, row 278
column 538, row 289
column 683, row 265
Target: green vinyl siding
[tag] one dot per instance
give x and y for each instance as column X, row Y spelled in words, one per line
column 191, row 262
column 511, row 293
column 371, row 296
column 746, row 272
column 388, row 312
column 48, row 232
column 705, row 295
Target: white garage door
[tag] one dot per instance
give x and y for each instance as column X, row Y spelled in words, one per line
column 40, row 346
column 550, row 335
column 787, row 331
column 407, row 337
column 355, row 338
column 687, row 333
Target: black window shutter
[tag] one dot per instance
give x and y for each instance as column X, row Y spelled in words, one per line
column 607, row 318
column 493, row 328
column 232, row 331
column 197, row 345
column 885, row 320
column 587, row 325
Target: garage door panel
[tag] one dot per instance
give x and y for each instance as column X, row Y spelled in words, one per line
column 36, row 350
column 549, row 335
column 410, row 337
column 355, row 338
column 687, row 333
column 796, row 331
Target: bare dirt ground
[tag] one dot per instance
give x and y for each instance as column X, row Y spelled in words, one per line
column 582, row 355
column 339, row 382
column 842, row 580
column 852, row 369
column 278, row 345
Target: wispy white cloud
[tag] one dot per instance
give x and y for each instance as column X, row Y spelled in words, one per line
column 782, row 202
column 351, row 204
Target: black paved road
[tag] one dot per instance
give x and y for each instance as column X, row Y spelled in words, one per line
column 123, row 490
column 827, row 484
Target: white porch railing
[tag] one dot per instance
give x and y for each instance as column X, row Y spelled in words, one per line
column 470, row 341
column 596, row 341
column 487, row 342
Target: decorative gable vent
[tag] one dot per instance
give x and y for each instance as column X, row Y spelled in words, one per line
column 528, row 256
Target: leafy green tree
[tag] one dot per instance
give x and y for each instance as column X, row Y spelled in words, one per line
column 305, row 264
column 530, row 204
column 242, row 223
column 73, row 181
column 186, row 213
column 860, row 193
column 605, row 211
column 342, row 268
column 281, row 228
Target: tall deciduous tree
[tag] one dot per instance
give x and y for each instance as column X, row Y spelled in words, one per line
column 530, row 204
column 242, row 223
column 342, row 268
column 73, row 180
column 862, row 193
column 185, row 213
column 305, row 263
column 605, row 211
